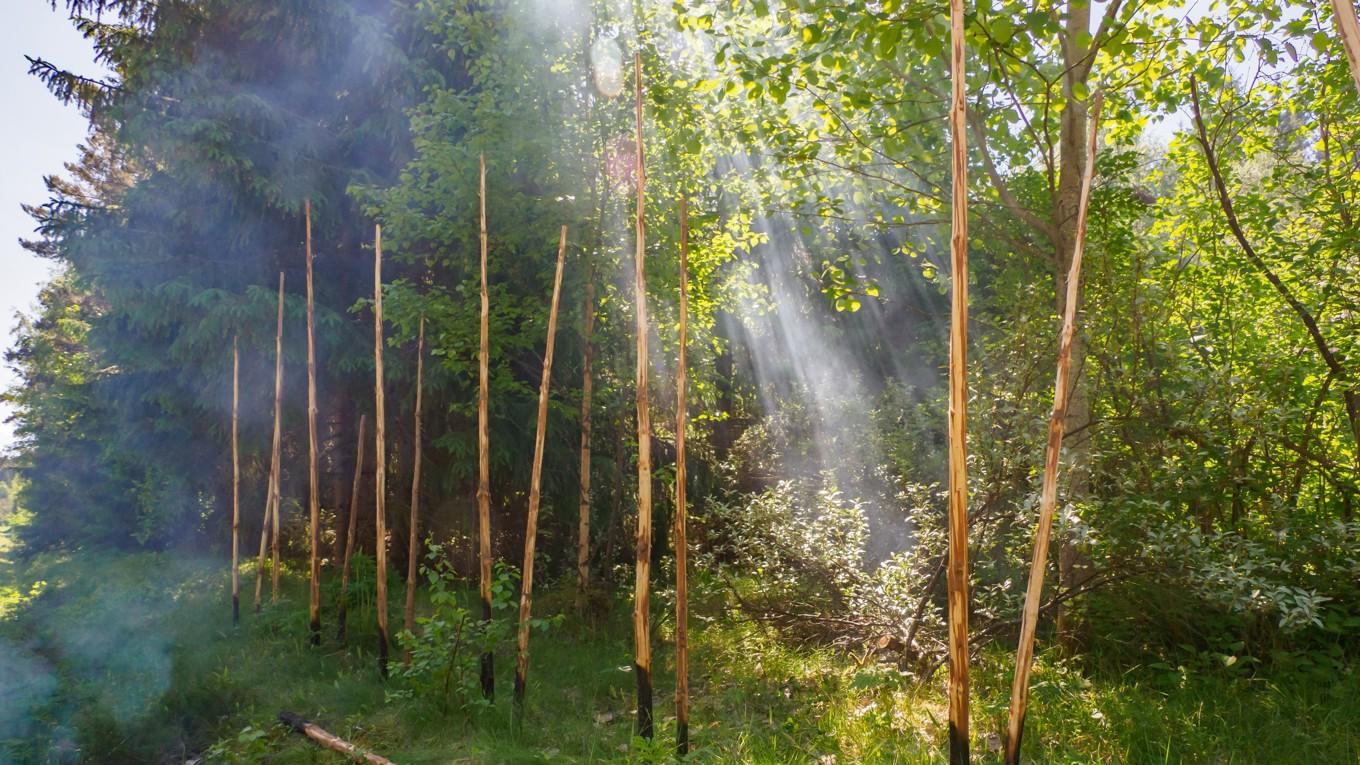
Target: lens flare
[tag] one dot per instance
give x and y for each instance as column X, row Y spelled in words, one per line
column 606, row 61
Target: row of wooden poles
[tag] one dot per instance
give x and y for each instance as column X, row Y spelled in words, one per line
column 641, row 612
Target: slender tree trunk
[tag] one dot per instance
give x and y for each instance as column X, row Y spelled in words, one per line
column 342, row 615
column 484, row 446
column 271, row 503
column 379, row 455
column 681, row 506
column 235, row 484
column 587, row 386
column 413, row 542
column 1349, row 29
column 313, row 479
column 1048, row 495
column 526, row 592
column 642, row 638
column 958, row 404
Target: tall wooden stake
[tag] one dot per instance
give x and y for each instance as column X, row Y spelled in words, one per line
column 413, row 542
column 642, row 639
column 313, row 481
column 379, row 454
column 681, row 509
column 235, row 484
column 957, row 580
column 271, row 502
column 1349, row 28
column 526, row 590
column 587, row 387
column 1048, row 496
column 484, row 446
column 342, row 615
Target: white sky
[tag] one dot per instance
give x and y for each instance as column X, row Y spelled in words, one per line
column 37, row 135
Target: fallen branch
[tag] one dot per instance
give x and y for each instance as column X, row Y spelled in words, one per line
column 330, row 741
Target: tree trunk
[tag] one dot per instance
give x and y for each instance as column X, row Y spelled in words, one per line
column 413, row 541
column 235, row 484
column 342, row 615
column 957, row 580
column 526, row 591
column 681, row 538
column 313, row 479
column 379, row 456
column 642, row 639
column 484, row 448
column 271, row 504
column 583, row 526
column 1048, row 495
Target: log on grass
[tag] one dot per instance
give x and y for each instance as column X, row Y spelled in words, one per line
column 342, row 609
column 329, row 740
column 413, row 541
column 957, row 573
column 379, row 456
column 235, row 483
column 484, row 446
column 313, row 479
column 681, row 507
column 271, row 502
column 642, row 639
column 1048, row 495
column 526, row 592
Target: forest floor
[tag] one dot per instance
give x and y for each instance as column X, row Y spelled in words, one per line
column 133, row 659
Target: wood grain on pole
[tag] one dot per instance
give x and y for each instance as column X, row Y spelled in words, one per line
column 342, row 609
column 484, row 444
column 1048, row 495
column 313, row 478
column 587, row 387
column 642, row 638
column 413, row 541
column 379, row 456
column 235, row 484
column 272, row 490
column 957, row 578
column 526, row 591
column 1349, row 29
column 681, row 506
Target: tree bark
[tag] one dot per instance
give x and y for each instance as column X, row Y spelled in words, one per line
column 1349, row 29
column 526, row 592
column 379, row 456
column 642, row 639
column 587, row 386
column 1048, row 495
column 313, row 479
column 484, row 446
column 272, row 492
column 342, row 615
column 957, row 580
column 235, row 484
column 413, row 541
column 681, row 507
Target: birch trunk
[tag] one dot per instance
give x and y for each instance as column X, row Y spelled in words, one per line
column 681, row 508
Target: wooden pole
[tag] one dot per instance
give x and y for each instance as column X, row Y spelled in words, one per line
column 235, row 484
column 587, row 387
column 642, row 639
column 526, row 590
column 313, row 482
column 484, row 446
column 342, row 616
column 330, row 741
column 681, row 508
column 413, row 541
column 271, row 502
column 957, row 580
column 1048, row 495
column 1349, row 29
column 379, row 454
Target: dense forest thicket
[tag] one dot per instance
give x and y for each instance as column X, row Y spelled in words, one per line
column 1207, row 509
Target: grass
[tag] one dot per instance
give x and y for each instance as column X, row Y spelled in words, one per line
column 133, row 659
